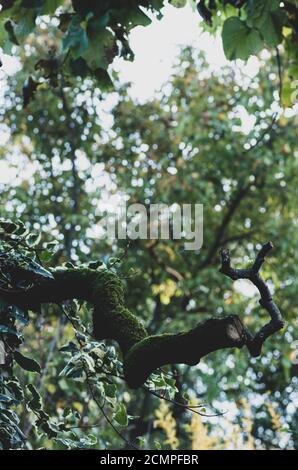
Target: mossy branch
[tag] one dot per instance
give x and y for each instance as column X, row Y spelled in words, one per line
column 142, row 354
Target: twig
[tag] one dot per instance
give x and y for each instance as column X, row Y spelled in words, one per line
column 191, row 408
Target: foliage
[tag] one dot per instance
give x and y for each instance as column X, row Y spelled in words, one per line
column 87, row 36
column 189, row 144
column 249, row 26
column 165, row 421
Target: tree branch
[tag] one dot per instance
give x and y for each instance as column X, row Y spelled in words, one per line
column 143, row 354
column 254, row 343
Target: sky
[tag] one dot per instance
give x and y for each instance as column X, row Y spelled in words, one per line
column 156, row 47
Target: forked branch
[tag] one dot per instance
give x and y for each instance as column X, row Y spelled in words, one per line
column 254, row 343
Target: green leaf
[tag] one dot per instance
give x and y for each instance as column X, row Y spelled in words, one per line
column 25, row 26
column 130, row 17
column 103, row 79
column 268, row 18
column 70, row 347
column 27, row 363
column 101, row 50
column 138, row 18
column 178, row 3
column 121, row 415
column 50, row 6
column 76, row 38
column 272, row 32
column 240, row 41
column 110, row 390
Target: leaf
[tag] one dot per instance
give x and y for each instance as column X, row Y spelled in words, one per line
column 7, row 226
column 14, row 387
column 10, row 331
column 130, row 18
column 69, row 347
column 178, row 3
column 29, row 90
column 82, row 443
column 35, row 403
column 138, row 18
column 101, row 50
column 25, row 26
column 272, row 31
column 95, row 264
column 268, row 18
column 50, row 6
column 6, row 399
column 76, row 38
column 104, row 80
column 14, row 312
column 240, row 41
column 121, row 415
column 79, row 67
column 37, row 269
column 27, row 363
column 110, row 390
column 96, row 24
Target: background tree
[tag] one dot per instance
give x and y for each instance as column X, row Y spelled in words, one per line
column 179, row 147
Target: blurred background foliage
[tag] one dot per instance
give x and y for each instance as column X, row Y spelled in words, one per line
column 218, row 139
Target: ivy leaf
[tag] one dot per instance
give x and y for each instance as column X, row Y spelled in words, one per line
column 35, row 402
column 121, row 415
column 240, row 41
column 110, row 390
column 82, row 443
column 7, row 226
column 95, row 264
column 70, row 347
column 27, row 363
column 10, row 331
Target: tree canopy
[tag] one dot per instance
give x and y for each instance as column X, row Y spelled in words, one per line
column 87, row 36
